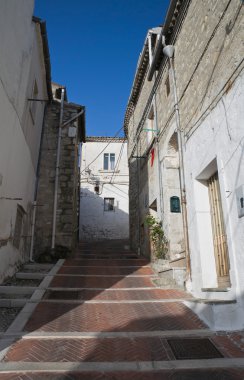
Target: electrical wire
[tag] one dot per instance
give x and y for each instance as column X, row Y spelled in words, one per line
column 102, row 150
column 118, row 160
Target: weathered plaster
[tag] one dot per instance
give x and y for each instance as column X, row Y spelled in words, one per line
column 95, row 223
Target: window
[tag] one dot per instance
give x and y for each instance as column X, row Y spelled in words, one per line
column 33, row 104
column 108, row 204
column 109, row 161
column 18, row 226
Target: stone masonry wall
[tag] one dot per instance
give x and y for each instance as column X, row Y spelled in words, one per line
column 66, row 226
column 208, row 57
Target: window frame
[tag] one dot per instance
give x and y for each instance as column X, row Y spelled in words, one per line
column 109, row 158
column 109, row 206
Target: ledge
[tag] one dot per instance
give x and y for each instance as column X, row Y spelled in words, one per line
column 215, row 290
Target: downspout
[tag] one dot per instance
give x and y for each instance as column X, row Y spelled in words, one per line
column 169, row 52
column 156, row 138
column 138, row 198
column 57, row 170
column 33, row 220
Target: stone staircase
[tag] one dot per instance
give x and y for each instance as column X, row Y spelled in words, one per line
column 99, row 317
column 16, row 291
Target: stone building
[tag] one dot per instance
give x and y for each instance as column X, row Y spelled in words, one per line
column 25, row 77
column 57, row 202
column 104, row 189
column 185, row 149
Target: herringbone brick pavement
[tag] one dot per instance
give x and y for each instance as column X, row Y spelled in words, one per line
column 101, row 282
column 187, row 374
column 106, row 262
column 109, row 321
column 117, row 295
column 96, row 350
column 100, row 349
column 107, row 271
column 113, row 317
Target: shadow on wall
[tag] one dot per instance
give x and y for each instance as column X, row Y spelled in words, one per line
column 139, row 204
column 101, row 217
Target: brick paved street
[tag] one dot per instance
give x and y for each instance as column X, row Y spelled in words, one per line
column 105, row 319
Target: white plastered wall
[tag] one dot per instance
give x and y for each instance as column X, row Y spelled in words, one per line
column 19, row 139
column 219, row 140
column 95, row 223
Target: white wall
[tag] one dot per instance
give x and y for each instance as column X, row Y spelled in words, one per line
column 95, row 223
column 19, row 138
column 219, row 140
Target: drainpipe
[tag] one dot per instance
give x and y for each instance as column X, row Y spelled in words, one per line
column 57, row 169
column 138, row 198
column 156, row 136
column 33, row 221
column 169, row 52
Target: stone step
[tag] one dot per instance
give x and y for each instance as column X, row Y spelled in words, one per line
column 123, row 349
column 149, row 370
column 29, row 276
column 10, row 302
column 37, row 267
column 5, row 289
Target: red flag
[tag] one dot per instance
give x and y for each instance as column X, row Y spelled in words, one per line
column 152, row 156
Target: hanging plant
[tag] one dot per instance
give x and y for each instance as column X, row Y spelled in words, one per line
column 158, row 238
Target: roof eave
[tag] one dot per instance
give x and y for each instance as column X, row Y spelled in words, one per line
column 46, row 54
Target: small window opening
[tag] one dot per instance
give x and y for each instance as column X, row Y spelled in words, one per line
column 109, row 204
column 175, row 204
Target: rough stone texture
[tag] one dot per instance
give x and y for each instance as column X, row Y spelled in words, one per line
column 209, row 65
column 207, row 54
column 67, row 221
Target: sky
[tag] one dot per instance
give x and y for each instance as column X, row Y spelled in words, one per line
column 94, row 47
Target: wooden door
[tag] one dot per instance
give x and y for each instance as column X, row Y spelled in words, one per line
column 219, row 235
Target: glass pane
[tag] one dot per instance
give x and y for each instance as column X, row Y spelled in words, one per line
column 105, row 161
column 111, row 204
column 105, row 204
column 108, row 204
column 112, row 161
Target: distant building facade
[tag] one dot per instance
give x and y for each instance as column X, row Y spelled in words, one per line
column 186, row 167
column 104, row 184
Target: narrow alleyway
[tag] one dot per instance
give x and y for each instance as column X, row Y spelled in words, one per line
column 101, row 317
